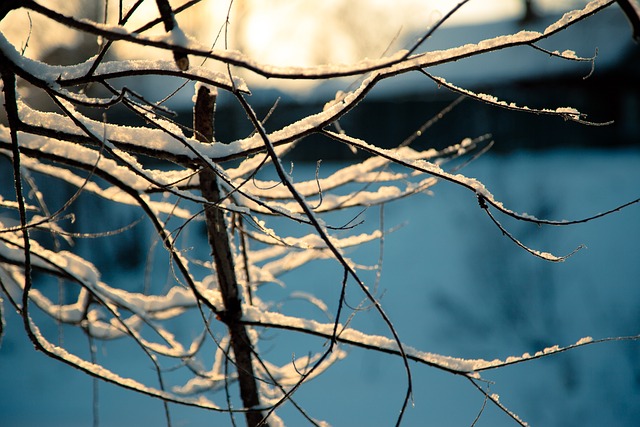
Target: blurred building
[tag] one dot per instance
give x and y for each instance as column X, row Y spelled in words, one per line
column 606, row 90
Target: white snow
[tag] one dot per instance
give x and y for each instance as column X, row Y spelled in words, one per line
column 569, row 17
column 52, row 74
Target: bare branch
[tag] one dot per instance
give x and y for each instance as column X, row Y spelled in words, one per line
column 260, row 222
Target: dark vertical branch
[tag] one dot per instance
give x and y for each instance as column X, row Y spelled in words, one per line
column 530, row 13
column 168, row 19
column 166, row 14
column 244, row 244
column 632, row 10
column 11, row 108
column 223, row 260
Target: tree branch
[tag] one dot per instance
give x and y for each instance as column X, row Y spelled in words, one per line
column 223, row 259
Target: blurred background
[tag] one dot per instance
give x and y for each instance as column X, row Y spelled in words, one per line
column 451, row 282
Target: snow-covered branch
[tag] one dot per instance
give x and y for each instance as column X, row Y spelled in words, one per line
column 222, row 224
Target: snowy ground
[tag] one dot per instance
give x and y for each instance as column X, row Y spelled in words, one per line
column 452, row 285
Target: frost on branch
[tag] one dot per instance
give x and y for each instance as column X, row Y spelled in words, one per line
column 229, row 220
